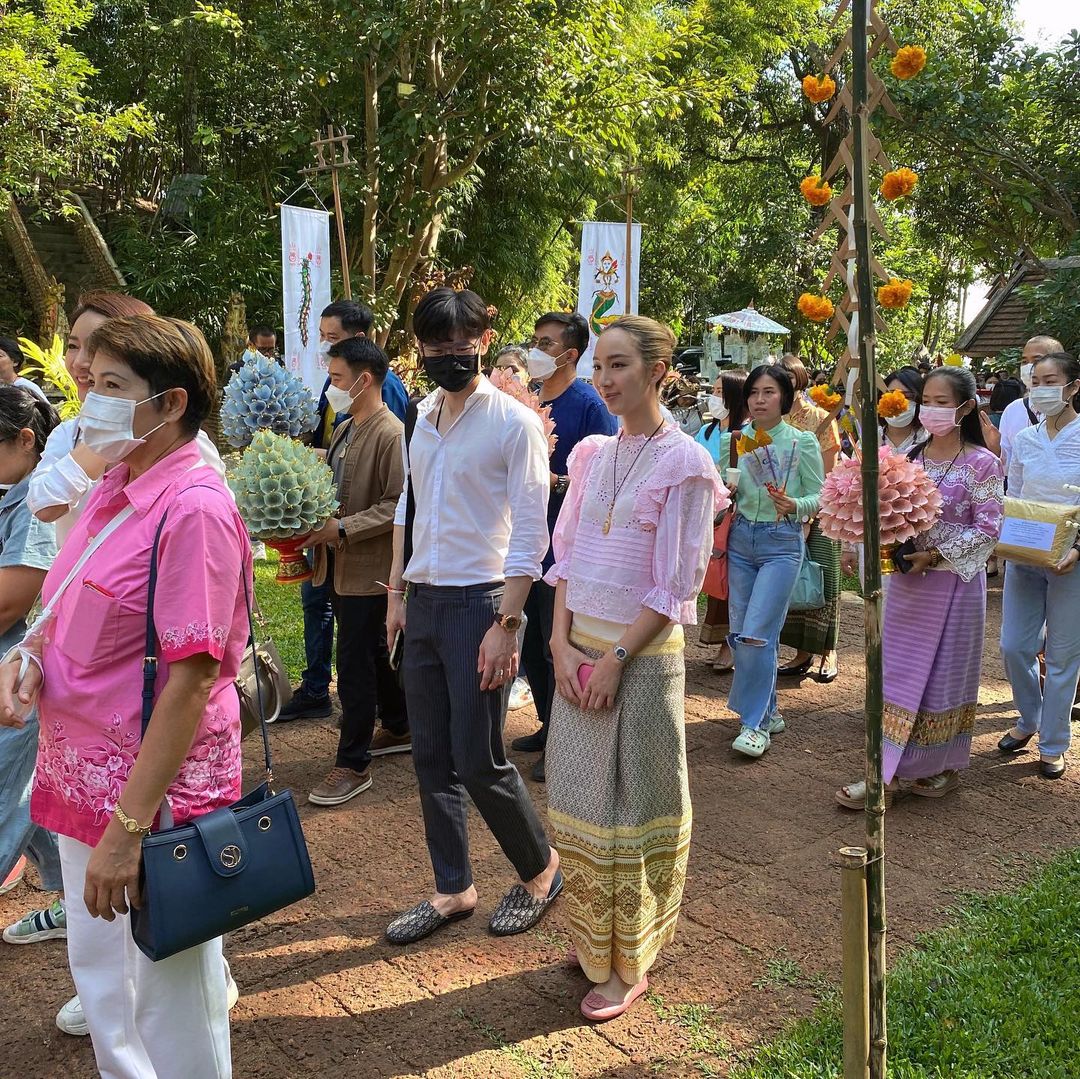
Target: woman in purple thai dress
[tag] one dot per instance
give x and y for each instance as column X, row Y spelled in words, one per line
column 935, row 614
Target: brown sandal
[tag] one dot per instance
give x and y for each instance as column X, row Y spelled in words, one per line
column 935, row 786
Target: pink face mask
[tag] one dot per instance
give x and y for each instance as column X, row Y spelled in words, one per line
column 937, row 420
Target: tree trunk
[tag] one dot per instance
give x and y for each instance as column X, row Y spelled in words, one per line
column 875, row 792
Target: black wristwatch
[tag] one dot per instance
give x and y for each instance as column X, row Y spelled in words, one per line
column 562, row 485
column 341, row 529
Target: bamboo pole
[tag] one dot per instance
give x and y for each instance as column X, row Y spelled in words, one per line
column 874, row 710
column 343, row 247
column 855, row 963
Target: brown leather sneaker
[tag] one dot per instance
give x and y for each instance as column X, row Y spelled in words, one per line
column 386, row 742
column 339, row 786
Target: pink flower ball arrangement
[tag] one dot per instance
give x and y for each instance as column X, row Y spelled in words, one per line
column 502, row 378
column 910, row 501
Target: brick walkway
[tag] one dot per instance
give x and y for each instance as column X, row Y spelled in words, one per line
column 324, row 996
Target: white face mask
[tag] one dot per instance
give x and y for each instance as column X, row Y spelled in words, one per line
column 341, row 400
column 905, row 417
column 1027, row 370
column 324, row 347
column 541, row 365
column 106, row 425
column 1049, row 400
column 717, row 409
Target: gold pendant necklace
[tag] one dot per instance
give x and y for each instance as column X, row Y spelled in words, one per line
column 615, row 471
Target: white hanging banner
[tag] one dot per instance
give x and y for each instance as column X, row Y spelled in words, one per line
column 602, row 279
column 305, row 288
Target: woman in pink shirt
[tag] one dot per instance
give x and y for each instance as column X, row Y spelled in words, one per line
column 631, row 545
column 98, row 784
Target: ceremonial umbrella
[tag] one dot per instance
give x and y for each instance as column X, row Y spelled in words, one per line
column 748, row 320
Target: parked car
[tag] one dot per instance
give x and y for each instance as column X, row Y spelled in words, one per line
column 688, row 359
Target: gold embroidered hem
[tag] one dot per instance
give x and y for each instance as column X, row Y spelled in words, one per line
column 619, row 805
column 928, row 729
column 623, row 891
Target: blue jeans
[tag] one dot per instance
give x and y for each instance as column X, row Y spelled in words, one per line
column 318, row 638
column 18, row 834
column 1038, row 604
column 763, row 566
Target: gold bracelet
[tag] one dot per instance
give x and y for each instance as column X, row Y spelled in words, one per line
column 130, row 823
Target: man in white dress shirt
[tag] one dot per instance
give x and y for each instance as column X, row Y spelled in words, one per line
column 1018, row 414
column 469, row 536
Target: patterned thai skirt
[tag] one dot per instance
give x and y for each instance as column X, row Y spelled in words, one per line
column 932, row 643
column 619, row 805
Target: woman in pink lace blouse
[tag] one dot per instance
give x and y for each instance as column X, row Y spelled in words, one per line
column 98, row 783
column 631, row 546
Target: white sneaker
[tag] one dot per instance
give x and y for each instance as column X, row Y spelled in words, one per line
column 520, row 695
column 70, row 1019
column 232, row 990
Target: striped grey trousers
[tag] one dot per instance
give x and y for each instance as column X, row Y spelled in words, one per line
column 457, row 735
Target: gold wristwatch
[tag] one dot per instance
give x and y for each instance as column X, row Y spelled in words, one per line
column 130, row 823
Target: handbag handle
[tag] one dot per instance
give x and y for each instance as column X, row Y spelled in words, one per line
column 150, row 660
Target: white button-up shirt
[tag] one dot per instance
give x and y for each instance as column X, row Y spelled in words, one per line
column 1013, row 420
column 1040, row 467
column 481, row 490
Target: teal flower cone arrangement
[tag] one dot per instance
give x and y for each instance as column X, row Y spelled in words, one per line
column 263, row 396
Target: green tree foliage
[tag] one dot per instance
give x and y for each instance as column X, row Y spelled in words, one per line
column 485, row 132
column 52, row 130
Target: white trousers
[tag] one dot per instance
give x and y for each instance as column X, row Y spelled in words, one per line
column 164, row 1020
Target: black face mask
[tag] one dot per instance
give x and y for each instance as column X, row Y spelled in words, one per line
column 450, row 372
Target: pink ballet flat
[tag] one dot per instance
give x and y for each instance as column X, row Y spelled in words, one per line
column 599, row 1009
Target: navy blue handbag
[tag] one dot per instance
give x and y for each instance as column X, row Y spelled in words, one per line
column 224, row 869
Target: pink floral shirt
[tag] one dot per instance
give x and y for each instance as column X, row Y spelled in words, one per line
column 90, row 704
column 657, row 546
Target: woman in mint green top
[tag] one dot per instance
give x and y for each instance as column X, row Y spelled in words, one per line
column 779, row 490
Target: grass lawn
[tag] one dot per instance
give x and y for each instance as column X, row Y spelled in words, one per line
column 284, row 617
column 993, row 996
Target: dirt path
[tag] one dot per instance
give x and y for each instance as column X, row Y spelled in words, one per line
column 323, row 994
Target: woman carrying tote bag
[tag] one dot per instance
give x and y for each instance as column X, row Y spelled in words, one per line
column 100, row 782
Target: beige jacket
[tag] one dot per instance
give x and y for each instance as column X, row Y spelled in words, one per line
column 372, row 475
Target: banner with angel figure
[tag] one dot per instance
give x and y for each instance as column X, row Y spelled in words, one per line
column 305, row 287
column 602, row 279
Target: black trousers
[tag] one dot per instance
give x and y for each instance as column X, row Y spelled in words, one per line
column 367, row 687
column 536, row 651
column 457, row 745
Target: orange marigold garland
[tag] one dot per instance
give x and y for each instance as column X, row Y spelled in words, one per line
column 815, row 190
column 815, row 308
column 908, row 62
column 893, row 403
column 895, row 294
column 818, row 88
column 825, row 397
column 898, row 183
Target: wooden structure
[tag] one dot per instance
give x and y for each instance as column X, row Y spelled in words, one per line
column 1003, row 322
column 333, row 142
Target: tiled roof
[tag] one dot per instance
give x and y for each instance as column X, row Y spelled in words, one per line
column 1002, row 322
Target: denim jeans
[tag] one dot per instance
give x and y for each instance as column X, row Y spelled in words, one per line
column 318, row 637
column 763, row 566
column 1039, row 603
column 18, row 834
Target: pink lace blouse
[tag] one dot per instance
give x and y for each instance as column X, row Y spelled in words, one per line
column 660, row 538
column 90, row 702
